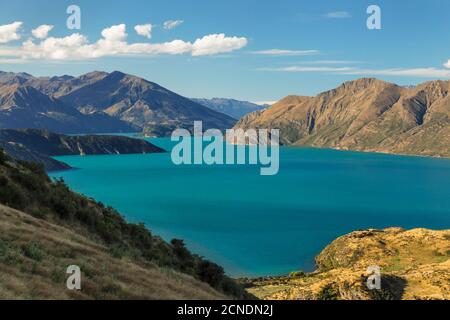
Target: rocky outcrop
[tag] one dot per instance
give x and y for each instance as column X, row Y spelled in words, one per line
column 414, row 264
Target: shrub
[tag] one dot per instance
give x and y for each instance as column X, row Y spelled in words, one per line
column 33, row 251
column 297, row 274
column 328, row 292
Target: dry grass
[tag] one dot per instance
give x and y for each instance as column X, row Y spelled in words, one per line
column 34, row 256
column 415, row 265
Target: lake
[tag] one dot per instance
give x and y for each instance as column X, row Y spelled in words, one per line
column 267, row 225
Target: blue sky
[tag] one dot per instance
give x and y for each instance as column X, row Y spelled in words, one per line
column 268, row 49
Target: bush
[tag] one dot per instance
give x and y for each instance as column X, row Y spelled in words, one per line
column 33, row 251
column 328, row 292
column 210, row 272
column 297, row 274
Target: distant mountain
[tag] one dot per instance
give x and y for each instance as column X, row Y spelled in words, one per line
column 234, row 108
column 142, row 103
column 365, row 115
column 99, row 102
column 23, row 106
column 38, row 146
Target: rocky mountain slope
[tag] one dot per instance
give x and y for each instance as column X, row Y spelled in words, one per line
column 414, row 264
column 45, row 227
column 22, row 106
column 234, row 108
column 99, row 102
column 142, row 103
column 365, row 115
column 38, row 146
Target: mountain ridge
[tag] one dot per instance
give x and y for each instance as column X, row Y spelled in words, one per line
column 40, row 146
column 365, row 115
column 106, row 102
column 23, row 106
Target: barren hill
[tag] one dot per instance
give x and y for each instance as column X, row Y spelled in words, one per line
column 365, row 115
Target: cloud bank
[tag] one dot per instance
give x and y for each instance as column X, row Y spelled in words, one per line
column 113, row 42
column 400, row 72
column 280, row 52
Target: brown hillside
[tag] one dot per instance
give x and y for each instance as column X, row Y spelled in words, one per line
column 365, row 115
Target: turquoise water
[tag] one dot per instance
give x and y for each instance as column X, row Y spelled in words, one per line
column 268, row 225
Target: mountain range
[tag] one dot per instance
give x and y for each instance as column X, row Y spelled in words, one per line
column 234, row 108
column 99, row 102
column 364, row 115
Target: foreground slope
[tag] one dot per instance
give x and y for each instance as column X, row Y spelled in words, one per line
column 34, row 256
column 67, row 227
column 365, row 115
column 414, row 264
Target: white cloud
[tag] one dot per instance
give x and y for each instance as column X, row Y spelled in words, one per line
column 144, row 30
column 9, row 32
column 279, row 52
column 400, row 72
column 114, row 43
column 170, row 24
column 68, row 47
column 263, row 103
column 329, row 62
column 338, row 15
column 115, row 33
column 447, row 64
column 42, row 31
column 217, row 43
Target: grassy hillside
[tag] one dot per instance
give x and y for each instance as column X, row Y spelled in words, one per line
column 96, row 235
column 414, row 264
column 34, row 256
